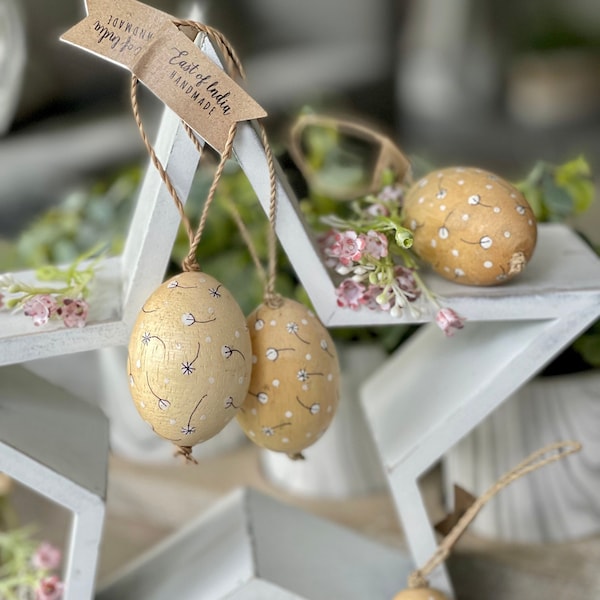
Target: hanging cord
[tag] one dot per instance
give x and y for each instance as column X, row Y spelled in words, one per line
column 544, row 456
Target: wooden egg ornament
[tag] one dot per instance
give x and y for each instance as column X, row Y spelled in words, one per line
column 420, row 593
column 294, row 387
column 189, row 359
column 470, row 225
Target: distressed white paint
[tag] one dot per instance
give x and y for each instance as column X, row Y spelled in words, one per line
column 433, row 391
column 57, row 445
column 251, row 546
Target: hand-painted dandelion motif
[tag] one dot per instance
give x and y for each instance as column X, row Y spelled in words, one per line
column 325, row 347
column 313, row 409
column 163, row 403
column 147, row 337
column 189, row 319
column 303, row 375
column 270, row 431
column 188, row 430
column 214, row 292
column 229, row 351
column 230, row 403
column 273, row 353
column 186, row 367
column 293, row 329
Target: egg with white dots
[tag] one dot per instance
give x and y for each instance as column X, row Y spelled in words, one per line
column 486, row 234
column 303, row 394
column 190, row 359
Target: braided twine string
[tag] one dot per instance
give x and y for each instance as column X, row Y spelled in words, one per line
column 540, row 458
column 190, row 262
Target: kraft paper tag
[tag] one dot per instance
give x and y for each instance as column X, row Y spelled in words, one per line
column 148, row 43
column 462, row 502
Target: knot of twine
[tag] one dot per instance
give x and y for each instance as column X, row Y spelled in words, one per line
column 190, row 262
column 544, row 456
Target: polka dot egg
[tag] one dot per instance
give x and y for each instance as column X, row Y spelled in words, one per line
column 470, row 225
column 189, row 359
column 294, row 388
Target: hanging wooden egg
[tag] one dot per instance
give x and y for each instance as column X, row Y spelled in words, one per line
column 294, row 388
column 420, row 593
column 189, row 359
column 470, row 225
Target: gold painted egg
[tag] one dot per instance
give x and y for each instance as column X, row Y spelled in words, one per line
column 422, row 593
column 294, row 388
column 189, row 359
column 470, row 225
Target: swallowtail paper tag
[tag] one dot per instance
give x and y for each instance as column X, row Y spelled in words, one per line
column 148, row 43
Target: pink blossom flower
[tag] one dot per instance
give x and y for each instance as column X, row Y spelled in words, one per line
column 349, row 294
column 40, row 308
column 376, row 244
column 348, row 247
column 50, row 588
column 391, row 193
column 377, row 210
column 407, row 283
column 449, row 321
column 369, row 299
column 73, row 312
column 46, row 557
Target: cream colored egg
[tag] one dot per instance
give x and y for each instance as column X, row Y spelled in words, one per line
column 189, row 359
column 294, row 389
column 470, row 225
column 422, row 593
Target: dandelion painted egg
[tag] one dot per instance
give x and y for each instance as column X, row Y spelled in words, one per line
column 294, row 389
column 470, row 225
column 189, row 359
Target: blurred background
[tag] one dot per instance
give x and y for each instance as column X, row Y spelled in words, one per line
column 495, row 83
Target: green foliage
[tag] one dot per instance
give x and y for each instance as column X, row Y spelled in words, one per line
column 557, row 192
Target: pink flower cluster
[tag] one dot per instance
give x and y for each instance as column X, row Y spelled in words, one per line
column 48, row 558
column 349, row 247
column 43, row 307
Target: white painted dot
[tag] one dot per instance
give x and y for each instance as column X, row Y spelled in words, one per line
column 308, row 356
column 507, row 234
column 177, row 346
column 251, row 433
column 413, row 224
column 421, row 200
column 237, row 334
column 208, row 339
column 304, row 322
column 202, row 280
column 489, row 186
column 289, row 414
column 210, row 310
column 241, row 380
column 254, row 359
column 447, row 269
column 131, row 380
column 488, row 264
column 440, row 175
column 496, row 209
column 203, row 417
column 513, row 195
column 459, row 272
column 138, row 363
column 466, row 217
column 308, row 434
column 285, row 440
column 254, row 411
column 167, row 380
column 276, row 383
column 211, row 380
column 305, row 387
column 143, row 404
column 461, row 182
column 423, row 183
column 442, row 207
column 329, row 377
column 530, row 222
column 433, row 243
column 330, row 408
column 454, row 252
column 273, row 322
